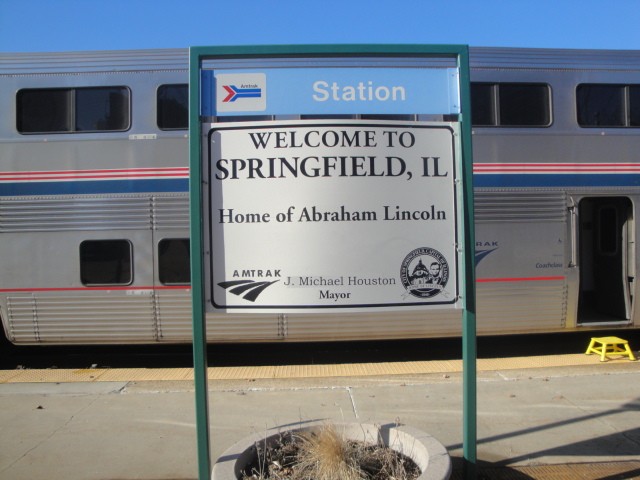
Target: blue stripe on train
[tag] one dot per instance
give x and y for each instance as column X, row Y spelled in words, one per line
column 91, row 187
column 555, row 180
column 182, row 184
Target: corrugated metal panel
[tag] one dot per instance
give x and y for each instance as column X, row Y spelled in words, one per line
column 97, row 61
column 171, row 212
column 521, row 307
column 165, row 316
column 562, row 59
column 55, row 214
column 234, row 327
column 118, row 316
column 173, row 310
column 177, row 59
column 109, row 317
column 510, row 206
column 175, row 325
column 48, row 214
column 375, row 325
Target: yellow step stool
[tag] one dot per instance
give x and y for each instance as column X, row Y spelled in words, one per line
column 614, row 345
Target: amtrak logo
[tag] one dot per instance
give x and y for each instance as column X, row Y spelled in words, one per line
column 241, row 92
column 485, row 248
column 424, row 272
column 480, row 254
column 246, row 91
column 247, row 289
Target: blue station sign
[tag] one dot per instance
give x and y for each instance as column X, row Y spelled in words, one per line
column 330, row 91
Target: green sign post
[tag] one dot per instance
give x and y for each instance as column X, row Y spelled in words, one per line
column 408, row 107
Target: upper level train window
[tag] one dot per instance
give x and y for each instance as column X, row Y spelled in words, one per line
column 601, row 105
column 173, row 107
column 106, row 262
column 71, row 110
column 173, row 261
column 510, row 105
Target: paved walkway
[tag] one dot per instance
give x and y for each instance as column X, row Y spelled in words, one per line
column 579, row 421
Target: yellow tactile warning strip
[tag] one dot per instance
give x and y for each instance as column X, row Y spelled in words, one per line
column 294, row 371
column 574, row 471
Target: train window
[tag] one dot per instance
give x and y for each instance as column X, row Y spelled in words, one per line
column 601, row 105
column 70, row 110
column 106, row 262
column 173, row 107
column 43, row 111
column 101, row 109
column 524, row 105
column 510, row 104
column 483, row 112
column 173, row 261
column 634, row 105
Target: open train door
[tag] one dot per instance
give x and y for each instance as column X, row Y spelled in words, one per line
column 606, row 259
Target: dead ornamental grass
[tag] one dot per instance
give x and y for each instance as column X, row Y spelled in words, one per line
column 325, row 455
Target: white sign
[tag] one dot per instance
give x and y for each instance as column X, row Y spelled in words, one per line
column 315, row 215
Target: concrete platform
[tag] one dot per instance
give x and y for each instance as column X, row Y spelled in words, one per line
column 544, row 422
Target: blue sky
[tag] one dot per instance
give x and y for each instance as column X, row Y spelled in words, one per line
column 61, row 25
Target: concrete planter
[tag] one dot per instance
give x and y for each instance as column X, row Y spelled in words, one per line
column 429, row 454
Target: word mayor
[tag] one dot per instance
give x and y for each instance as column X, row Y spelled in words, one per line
column 342, row 214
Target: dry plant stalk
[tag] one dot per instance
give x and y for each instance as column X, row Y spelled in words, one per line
column 325, row 455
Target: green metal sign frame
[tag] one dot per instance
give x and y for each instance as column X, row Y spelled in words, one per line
column 197, row 56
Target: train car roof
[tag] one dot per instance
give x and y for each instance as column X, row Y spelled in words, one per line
column 94, row 61
column 177, row 59
column 555, row 59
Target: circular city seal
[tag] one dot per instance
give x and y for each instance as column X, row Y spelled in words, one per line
column 424, row 272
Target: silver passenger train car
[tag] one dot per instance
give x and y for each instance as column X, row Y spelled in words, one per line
column 94, row 218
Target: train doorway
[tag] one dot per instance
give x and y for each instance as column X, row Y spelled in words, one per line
column 607, row 260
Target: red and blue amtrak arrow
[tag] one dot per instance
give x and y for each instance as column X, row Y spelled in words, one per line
column 236, row 93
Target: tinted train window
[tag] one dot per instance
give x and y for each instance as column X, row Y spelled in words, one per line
column 106, row 262
column 173, row 261
column 68, row 110
column 601, row 105
column 483, row 110
column 173, row 107
column 608, row 105
column 634, row 105
column 43, row 111
column 510, row 104
column 101, row 109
